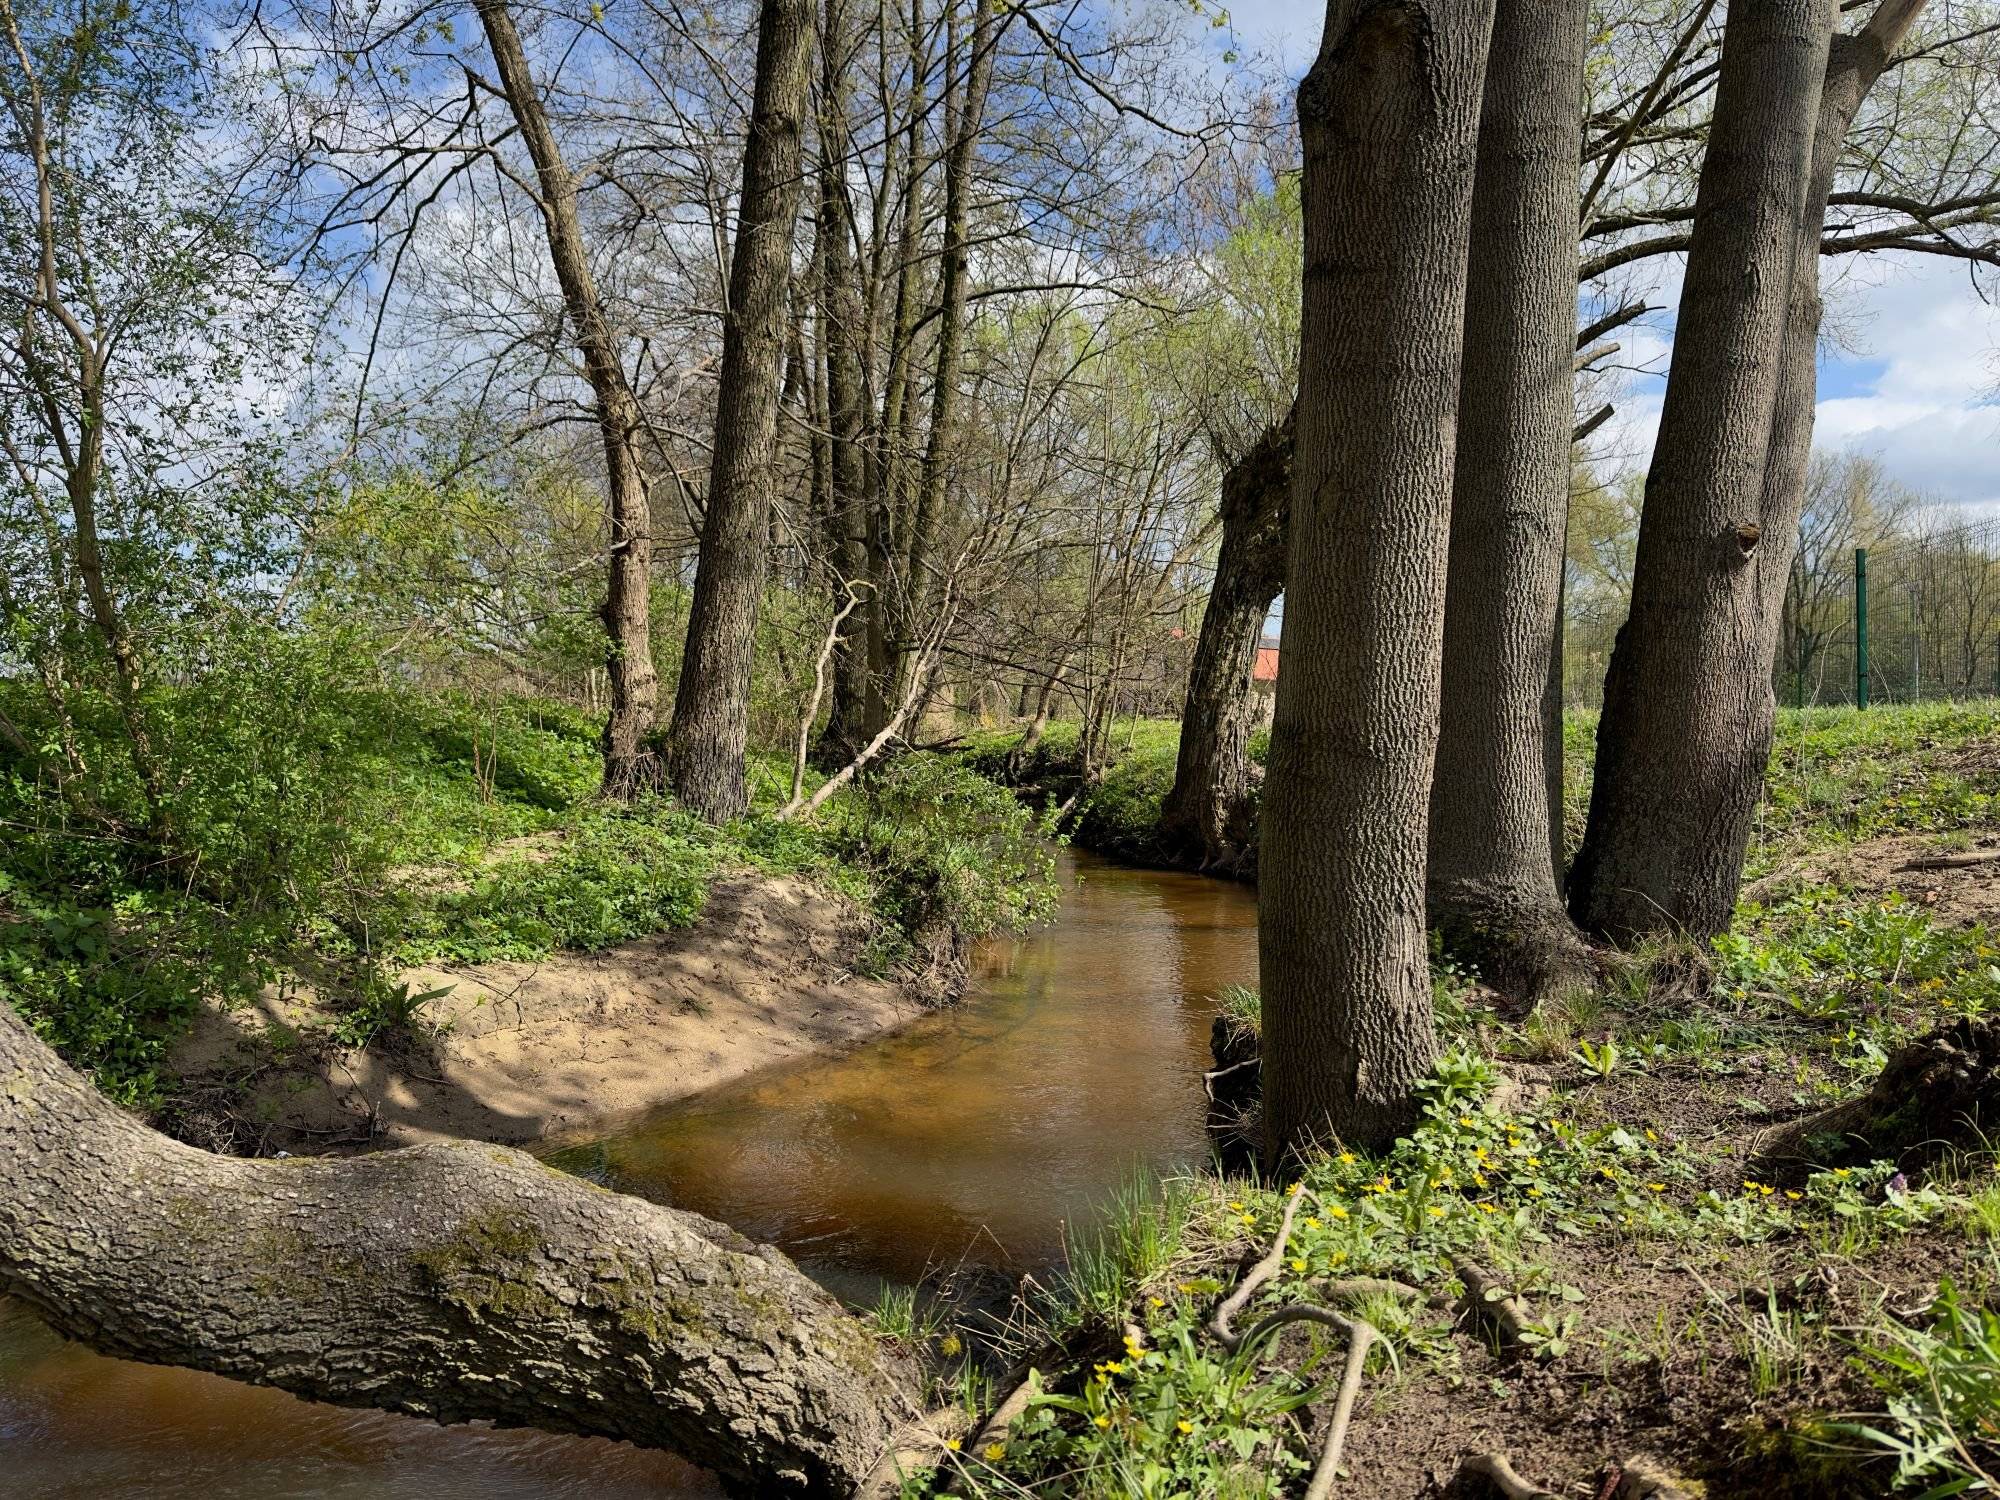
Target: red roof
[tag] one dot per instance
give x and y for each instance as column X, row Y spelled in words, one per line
column 1266, row 669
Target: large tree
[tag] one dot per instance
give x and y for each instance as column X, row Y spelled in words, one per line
column 629, row 764
column 1688, row 708
column 1496, row 795
column 1390, row 116
column 1208, row 812
column 711, row 722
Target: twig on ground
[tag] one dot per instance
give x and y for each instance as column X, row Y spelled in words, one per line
column 1493, row 1303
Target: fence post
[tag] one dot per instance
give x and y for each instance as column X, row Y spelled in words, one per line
column 1860, row 627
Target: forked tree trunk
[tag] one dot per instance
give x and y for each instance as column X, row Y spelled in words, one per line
column 1390, row 115
column 1685, row 731
column 1206, row 812
column 627, row 612
column 456, row 1282
column 711, row 723
column 1493, row 885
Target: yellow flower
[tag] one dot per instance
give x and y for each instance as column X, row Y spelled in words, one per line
column 1656, row 1187
column 1345, row 1157
column 1534, row 1161
column 952, row 1443
column 1534, row 1192
column 1767, row 1190
column 1314, row 1223
column 1295, row 1189
column 1436, row 1212
column 1298, row 1263
column 1249, row 1218
column 1103, row 1421
column 1649, row 1134
column 1156, row 1301
column 1465, row 1119
column 1234, row 1205
column 995, row 1452
column 1793, row 1196
column 1487, row 1208
column 1336, row 1210
column 1185, row 1426
column 1749, row 1186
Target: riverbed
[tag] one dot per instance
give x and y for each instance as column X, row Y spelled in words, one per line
column 980, row 1137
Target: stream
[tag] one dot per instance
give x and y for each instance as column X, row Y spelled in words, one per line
column 976, row 1139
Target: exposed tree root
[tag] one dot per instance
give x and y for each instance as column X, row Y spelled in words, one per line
column 1644, row 1478
column 1360, row 1334
column 1493, row 1470
column 1940, row 1090
column 1493, row 1304
column 1951, row 861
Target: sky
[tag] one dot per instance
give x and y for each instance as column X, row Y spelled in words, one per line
column 1910, row 374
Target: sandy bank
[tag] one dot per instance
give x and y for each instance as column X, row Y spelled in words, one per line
column 528, row 1050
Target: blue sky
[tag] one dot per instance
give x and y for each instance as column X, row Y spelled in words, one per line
column 1909, row 370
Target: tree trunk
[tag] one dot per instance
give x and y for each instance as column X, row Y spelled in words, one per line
column 1685, row 731
column 627, row 612
column 1207, row 811
column 967, row 122
column 841, row 329
column 457, row 1282
column 1390, row 115
column 1492, row 883
column 711, row 722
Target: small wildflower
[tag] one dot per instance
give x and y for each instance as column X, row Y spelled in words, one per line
column 1346, row 1158
column 1656, row 1187
column 1338, row 1211
column 1465, row 1119
column 1185, row 1426
column 1436, row 1212
column 995, row 1452
column 1487, row 1208
column 1650, row 1135
column 1103, row 1421
column 1534, row 1192
column 953, row 1444
column 1314, row 1223
column 1249, row 1218
column 1298, row 1263
column 1235, row 1207
column 1295, row 1189
column 1794, row 1196
column 1156, row 1302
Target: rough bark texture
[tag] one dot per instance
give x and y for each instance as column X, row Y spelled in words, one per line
column 1939, row 1093
column 711, row 722
column 1492, row 885
column 1207, row 812
column 1390, row 114
column 966, row 120
column 842, row 327
column 1854, row 63
column 627, row 612
column 456, row 1282
column 1685, row 731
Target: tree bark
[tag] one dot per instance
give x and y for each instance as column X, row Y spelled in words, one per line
column 629, row 763
column 711, row 723
column 1207, row 811
column 457, row 1282
column 1685, row 731
column 1389, row 114
column 1492, row 882
column 841, row 329
column 966, row 121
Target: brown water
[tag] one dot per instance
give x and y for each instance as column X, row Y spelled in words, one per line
column 975, row 1137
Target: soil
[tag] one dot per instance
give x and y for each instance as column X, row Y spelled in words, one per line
column 1953, row 896
column 519, row 1051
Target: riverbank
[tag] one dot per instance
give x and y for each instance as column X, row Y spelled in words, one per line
column 1622, row 1247
column 514, row 1052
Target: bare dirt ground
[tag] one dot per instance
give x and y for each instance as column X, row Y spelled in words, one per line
column 526, row 1050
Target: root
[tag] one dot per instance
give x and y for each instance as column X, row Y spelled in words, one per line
column 1361, row 1334
column 1493, row 1304
column 1644, row 1478
column 1499, row 1475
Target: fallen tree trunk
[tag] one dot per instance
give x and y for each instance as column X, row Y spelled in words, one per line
column 455, row 1282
